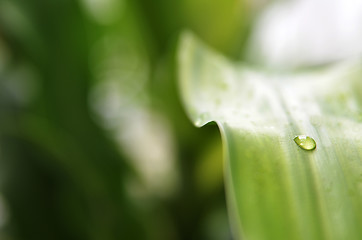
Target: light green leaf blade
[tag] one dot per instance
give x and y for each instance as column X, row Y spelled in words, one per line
column 275, row 189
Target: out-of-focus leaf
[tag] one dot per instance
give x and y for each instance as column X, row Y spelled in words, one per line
column 275, row 189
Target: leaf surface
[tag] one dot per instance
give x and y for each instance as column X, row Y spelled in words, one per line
column 275, row 189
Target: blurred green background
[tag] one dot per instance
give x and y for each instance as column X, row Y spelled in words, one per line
column 94, row 143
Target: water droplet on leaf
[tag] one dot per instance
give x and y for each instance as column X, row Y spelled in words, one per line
column 204, row 117
column 305, row 142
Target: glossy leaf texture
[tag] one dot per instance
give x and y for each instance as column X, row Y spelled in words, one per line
column 275, row 189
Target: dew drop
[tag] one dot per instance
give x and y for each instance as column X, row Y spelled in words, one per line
column 305, row 142
column 202, row 119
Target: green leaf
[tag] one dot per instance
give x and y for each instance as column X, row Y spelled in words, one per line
column 275, row 189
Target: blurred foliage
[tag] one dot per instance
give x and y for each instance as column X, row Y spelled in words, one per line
column 93, row 141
